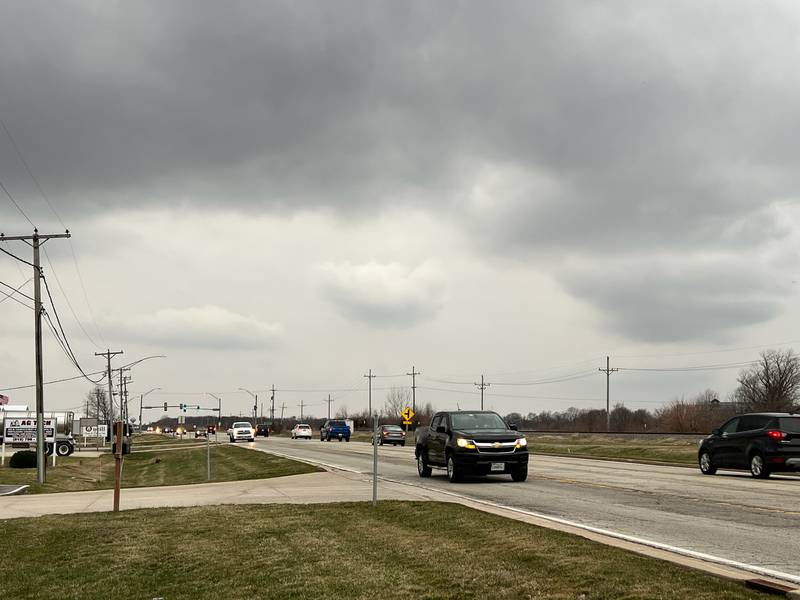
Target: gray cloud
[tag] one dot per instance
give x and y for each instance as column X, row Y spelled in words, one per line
column 662, row 300
column 204, row 327
column 383, row 294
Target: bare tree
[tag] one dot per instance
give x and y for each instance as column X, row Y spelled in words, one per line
column 97, row 403
column 396, row 400
column 341, row 412
column 772, row 384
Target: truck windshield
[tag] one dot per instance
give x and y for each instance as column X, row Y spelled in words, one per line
column 466, row 420
column 235, row 425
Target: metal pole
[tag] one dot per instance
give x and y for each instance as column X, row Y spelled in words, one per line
column 208, row 456
column 141, row 399
column 41, row 459
column 272, row 405
column 375, row 461
column 118, row 466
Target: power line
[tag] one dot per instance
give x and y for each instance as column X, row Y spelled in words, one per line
column 16, row 290
column 69, row 304
column 63, row 380
column 30, row 173
column 691, row 368
column 22, row 260
column 14, row 202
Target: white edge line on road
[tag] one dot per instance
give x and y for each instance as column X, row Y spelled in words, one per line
column 15, row 490
column 620, row 536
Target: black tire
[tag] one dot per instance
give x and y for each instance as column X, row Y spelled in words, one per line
column 340, row 438
column 520, row 473
column 347, row 439
column 758, row 466
column 423, row 468
column 232, row 440
column 403, row 444
column 380, row 442
column 453, row 470
column 64, row 449
column 706, row 463
column 327, row 438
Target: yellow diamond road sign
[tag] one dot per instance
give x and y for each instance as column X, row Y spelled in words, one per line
column 407, row 413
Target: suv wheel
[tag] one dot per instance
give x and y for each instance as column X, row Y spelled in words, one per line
column 706, row 464
column 758, row 468
column 423, row 468
column 519, row 473
column 453, row 472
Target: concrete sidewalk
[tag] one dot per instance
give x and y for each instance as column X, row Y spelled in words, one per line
column 293, row 489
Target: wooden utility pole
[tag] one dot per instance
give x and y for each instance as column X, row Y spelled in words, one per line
column 329, row 407
column 272, row 404
column 36, row 241
column 483, row 386
column 370, row 377
column 118, row 454
column 608, row 370
column 414, row 374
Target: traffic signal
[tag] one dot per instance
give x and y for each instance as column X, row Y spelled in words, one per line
column 183, row 407
column 165, row 407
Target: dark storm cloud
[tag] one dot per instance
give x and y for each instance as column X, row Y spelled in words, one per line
column 658, row 127
column 666, row 301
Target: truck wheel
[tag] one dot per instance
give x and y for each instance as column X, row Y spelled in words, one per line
column 64, row 449
column 48, row 449
column 423, row 468
column 519, row 474
column 453, row 472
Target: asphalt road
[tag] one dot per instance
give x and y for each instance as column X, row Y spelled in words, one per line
column 729, row 515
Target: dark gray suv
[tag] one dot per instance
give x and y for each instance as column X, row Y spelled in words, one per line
column 764, row 443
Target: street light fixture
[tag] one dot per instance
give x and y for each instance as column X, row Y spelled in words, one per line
column 141, row 402
column 255, row 403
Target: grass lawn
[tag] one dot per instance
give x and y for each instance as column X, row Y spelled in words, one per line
column 399, row 550
column 660, row 450
column 172, row 467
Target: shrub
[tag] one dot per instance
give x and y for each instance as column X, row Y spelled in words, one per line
column 26, row 459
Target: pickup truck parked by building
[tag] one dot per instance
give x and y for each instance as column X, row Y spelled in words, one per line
column 471, row 442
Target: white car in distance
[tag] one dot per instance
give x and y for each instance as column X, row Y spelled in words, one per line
column 301, row 430
column 242, row 431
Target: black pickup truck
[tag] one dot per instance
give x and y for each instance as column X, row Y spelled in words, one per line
column 471, row 442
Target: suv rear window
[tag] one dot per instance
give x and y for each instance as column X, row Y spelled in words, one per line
column 789, row 424
column 338, row 423
column 752, row 422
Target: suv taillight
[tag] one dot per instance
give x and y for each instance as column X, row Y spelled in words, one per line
column 775, row 434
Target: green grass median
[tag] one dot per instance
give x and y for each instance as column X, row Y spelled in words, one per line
column 676, row 451
column 156, row 468
column 397, row 550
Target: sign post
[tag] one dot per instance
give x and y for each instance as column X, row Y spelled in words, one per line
column 375, row 461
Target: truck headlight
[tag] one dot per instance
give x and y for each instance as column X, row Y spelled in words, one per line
column 463, row 443
column 522, row 442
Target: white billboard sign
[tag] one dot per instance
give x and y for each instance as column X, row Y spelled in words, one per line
column 94, row 431
column 23, row 429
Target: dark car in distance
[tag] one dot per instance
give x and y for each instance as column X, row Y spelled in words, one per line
column 391, row 434
column 764, row 443
column 471, row 442
column 262, row 429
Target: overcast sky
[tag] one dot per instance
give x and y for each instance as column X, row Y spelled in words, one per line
column 292, row 193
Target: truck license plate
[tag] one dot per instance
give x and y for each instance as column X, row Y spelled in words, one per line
column 498, row 466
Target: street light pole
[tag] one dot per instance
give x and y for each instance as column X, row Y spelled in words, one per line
column 255, row 403
column 141, row 401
